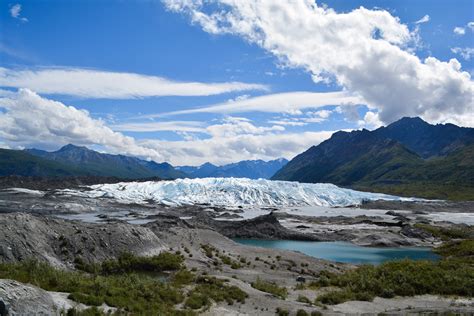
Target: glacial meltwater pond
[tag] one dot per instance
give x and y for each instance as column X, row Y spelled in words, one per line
column 344, row 251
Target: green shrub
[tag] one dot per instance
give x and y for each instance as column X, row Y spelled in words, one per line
column 208, row 288
column 270, row 287
column 301, row 312
column 404, row 278
column 136, row 293
column 282, row 312
column 304, row 299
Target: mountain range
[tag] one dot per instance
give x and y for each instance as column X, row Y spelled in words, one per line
column 408, row 157
column 252, row 169
column 72, row 160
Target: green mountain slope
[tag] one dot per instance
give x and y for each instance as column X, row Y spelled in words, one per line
column 17, row 162
column 99, row 164
column 370, row 161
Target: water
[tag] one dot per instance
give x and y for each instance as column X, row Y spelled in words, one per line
column 344, row 251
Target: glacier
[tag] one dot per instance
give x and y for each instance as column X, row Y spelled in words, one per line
column 232, row 192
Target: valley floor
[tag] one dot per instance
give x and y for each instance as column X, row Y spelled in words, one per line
column 68, row 231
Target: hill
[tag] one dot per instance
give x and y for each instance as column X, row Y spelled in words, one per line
column 408, row 157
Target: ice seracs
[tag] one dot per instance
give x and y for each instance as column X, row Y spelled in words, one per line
column 233, row 192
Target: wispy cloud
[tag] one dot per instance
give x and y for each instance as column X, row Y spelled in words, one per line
column 173, row 126
column 288, row 102
column 88, row 83
column 15, row 12
column 424, row 19
column 467, row 53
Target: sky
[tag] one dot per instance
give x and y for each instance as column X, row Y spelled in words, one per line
column 220, row 81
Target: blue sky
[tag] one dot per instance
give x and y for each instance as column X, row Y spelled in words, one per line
column 121, row 61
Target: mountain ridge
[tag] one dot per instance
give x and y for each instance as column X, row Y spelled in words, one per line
column 252, row 169
column 371, row 160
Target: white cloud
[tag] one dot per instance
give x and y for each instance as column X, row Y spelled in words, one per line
column 223, row 150
column 424, row 19
column 459, row 30
column 175, row 126
column 466, row 53
column 27, row 119
column 237, row 126
column 371, row 120
column 365, row 51
column 15, row 12
column 287, row 102
column 113, row 85
column 30, row 119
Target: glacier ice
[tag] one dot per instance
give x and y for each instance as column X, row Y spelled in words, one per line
column 233, row 192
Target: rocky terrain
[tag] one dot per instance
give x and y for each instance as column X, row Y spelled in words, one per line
column 54, row 227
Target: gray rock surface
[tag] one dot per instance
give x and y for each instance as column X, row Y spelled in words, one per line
column 23, row 299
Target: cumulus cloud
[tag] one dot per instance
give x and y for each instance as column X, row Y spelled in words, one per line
column 112, row 85
column 371, row 120
column 424, row 19
column 15, row 12
column 28, row 118
column 467, row 53
column 459, row 30
column 367, row 52
column 287, row 102
column 223, row 150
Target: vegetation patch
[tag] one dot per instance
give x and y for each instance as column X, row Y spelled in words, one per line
column 270, row 287
column 453, row 275
column 210, row 288
column 445, row 233
column 127, row 284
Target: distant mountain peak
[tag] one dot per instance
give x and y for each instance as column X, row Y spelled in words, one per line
column 71, row 147
column 253, row 169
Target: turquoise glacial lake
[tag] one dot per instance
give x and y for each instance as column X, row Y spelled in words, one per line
column 344, row 251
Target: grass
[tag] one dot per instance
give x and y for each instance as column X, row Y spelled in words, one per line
column 270, row 287
column 128, row 283
column 453, row 275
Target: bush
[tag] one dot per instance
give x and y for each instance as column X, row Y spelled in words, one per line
column 135, row 293
column 301, row 312
column 271, row 288
column 282, row 312
column 303, row 299
column 404, row 278
column 211, row 288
